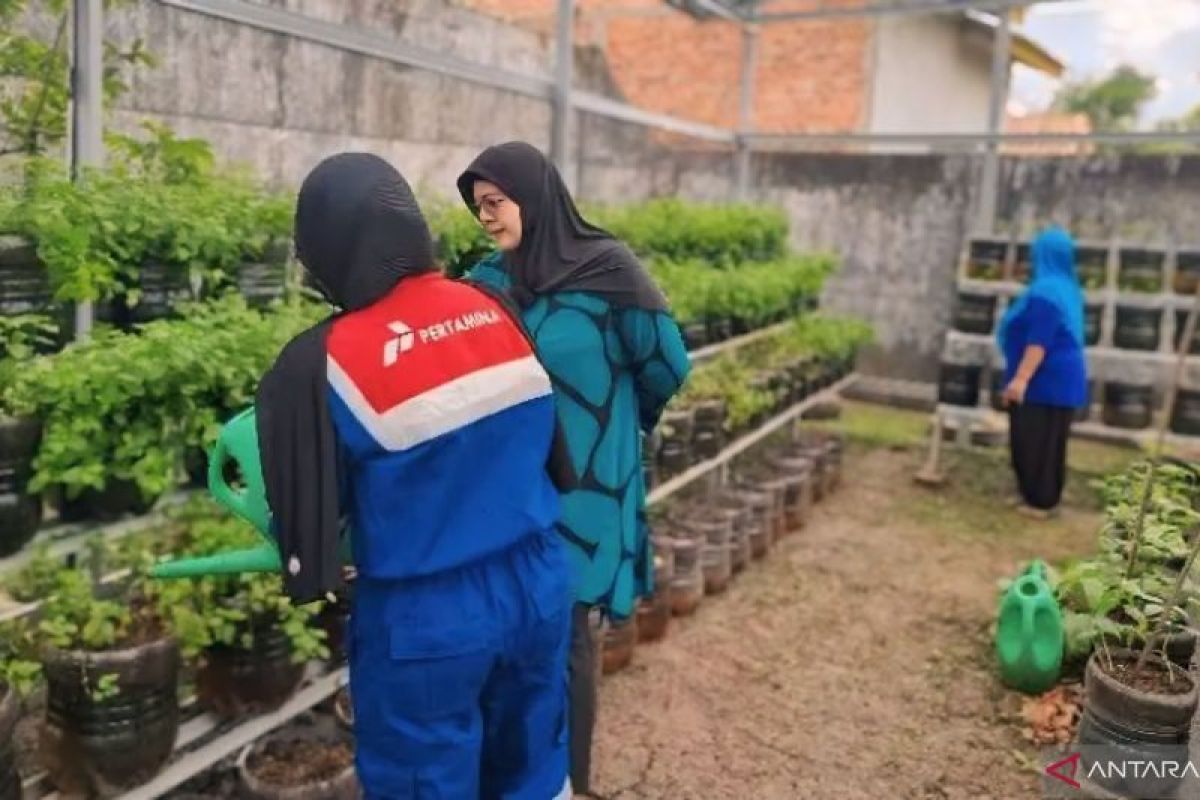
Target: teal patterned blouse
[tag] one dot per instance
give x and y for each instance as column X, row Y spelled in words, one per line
column 613, row 371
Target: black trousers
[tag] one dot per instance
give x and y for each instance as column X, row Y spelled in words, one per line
column 583, row 668
column 1038, row 441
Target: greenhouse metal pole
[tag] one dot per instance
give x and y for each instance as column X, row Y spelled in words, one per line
column 990, row 184
column 87, row 108
column 746, row 111
column 564, row 54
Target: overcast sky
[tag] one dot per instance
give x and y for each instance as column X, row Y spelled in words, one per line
column 1161, row 37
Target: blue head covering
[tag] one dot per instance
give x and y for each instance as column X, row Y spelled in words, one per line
column 1054, row 280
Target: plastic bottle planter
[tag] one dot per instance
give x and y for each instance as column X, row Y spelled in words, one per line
column 687, row 580
column 675, row 454
column 299, row 763
column 975, row 313
column 958, row 384
column 24, row 283
column 20, row 513
column 1152, row 720
column 1092, row 267
column 99, row 747
column 1137, row 328
column 1029, row 633
column 1187, row 271
column 1185, row 417
column 708, row 433
column 234, row 681
column 1129, row 406
column 10, row 780
column 1181, row 321
column 717, row 566
column 160, row 288
column 1140, row 270
column 651, row 442
column 620, row 638
column 260, row 282
column 985, row 260
column 1093, row 314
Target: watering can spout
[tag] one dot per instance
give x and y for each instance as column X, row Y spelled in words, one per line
column 238, row 443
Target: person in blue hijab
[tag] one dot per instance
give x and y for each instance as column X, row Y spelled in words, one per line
column 1042, row 339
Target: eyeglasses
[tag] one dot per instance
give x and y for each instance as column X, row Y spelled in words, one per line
column 492, row 204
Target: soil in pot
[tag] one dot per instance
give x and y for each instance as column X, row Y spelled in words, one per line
column 10, row 779
column 1137, row 328
column 233, row 681
column 653, row 617
column 620, row 638
column 1093, row 314
column 101, row 746
column 1155, row 678
column 299, row 768
column 1128, row 406
column 958, row 384
column 975, row 313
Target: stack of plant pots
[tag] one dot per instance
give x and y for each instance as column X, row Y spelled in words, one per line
column 20, row 512
column 761, row 523
column 716, row 565
column 708, row 429
column 99, row 745
column 1130, row 716
column 799, row 471
column 675, row 452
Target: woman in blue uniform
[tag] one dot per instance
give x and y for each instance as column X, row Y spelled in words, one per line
column 1042, row 337
column 615, row 357
column 422, row 416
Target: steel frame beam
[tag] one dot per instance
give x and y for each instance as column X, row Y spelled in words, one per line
column 770, row 142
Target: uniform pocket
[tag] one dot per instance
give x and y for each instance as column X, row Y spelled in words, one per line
column 436, row 672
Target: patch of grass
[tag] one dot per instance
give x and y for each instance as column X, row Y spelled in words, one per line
column 878, row 426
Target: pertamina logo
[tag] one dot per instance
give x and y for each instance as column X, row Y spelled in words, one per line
column 1065, row 770
column 402, row 342
column 406, row 338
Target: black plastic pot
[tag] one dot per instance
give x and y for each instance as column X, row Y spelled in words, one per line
column 1128, row 405
column 708, row 433
column 10, row 779
column 719, row 329
column 1185, row 417
column 20, row 512
column 1092, row 317
column 985, row 260
column 1187, row 271
column 342, row 786
column 234, row 681
column 695, row 335
column 1137, row 328
column 958, row 384
column 675, row 453
column 161, row 287
column 24, row 283
column 975, row 313
column 100, row 747
column 1140, row 270
column 996, row 391
column 117, row 499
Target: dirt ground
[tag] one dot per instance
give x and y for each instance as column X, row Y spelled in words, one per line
column 856, row 661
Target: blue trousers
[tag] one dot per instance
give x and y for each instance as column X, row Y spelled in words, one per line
column 459, row 680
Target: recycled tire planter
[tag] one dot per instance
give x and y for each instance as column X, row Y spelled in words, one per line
column 1137, row 328
column 24, row 282
column 100, row 747
column 10, row 779
column 234, row 681
column 619, row 642
column 958, row 384
column 975, row 313
column 316, row 755
column 1128, row 406
column 20, row 512
column 1185, row 416
column 1093, row 314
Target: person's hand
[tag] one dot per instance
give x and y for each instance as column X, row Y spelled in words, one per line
column 1014, row 393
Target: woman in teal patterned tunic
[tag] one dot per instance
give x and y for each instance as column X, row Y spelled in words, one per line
column 615, row 356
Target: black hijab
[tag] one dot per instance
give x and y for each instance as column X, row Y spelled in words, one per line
column 358, row 231
column 560, row 250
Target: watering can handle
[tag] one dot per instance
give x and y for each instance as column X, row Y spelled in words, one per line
column 221, row 491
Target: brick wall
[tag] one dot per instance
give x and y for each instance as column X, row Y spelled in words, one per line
column 812, row 76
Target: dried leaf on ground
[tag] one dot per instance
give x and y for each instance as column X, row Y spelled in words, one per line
column 1052, row 717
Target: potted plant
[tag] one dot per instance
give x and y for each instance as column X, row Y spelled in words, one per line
column 20, row 675
column 1128, row 405
column 300, row 763
column 620, row 639
column 975, row 313
column 24, row 282
column 1141, row 270
column 1187, row 271
column 111, row 668
column 985, row 260
column 1137, row 328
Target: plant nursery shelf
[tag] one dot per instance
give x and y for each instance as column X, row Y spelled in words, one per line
column 1157, row 357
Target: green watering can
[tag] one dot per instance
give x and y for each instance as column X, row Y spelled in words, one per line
column 1029, row 633
column 238, row 442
